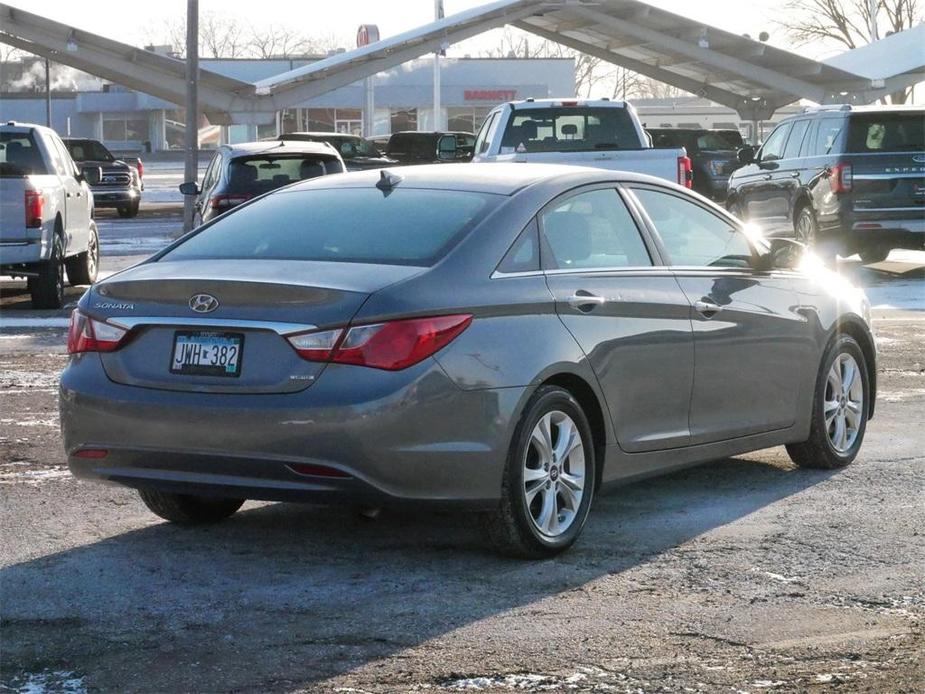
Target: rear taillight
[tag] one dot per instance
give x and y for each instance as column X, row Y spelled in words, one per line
column 224, row 202
column 841, row 178
column 685, row 172
column 391, row 346
column 35, row 209
column 87, row 335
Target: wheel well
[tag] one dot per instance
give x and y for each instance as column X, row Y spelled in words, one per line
column 591, row 406
column 863, row 338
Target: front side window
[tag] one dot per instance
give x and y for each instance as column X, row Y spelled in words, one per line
column 773, row 148
column 482, row 141
column 691, row 234
column 409, row 226
column 592, row 230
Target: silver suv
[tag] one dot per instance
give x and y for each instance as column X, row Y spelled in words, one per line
column 46, row 214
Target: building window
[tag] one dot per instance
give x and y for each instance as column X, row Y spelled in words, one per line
column 403, row 119
column 348, row 120
column 320, row 120
column 124, row 129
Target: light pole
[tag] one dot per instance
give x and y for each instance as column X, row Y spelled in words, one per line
column 191, row 167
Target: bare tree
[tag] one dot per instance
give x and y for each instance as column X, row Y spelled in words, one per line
column 848, row 22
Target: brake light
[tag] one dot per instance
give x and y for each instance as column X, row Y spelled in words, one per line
column 88, row 335
column 568, row 103
column 841, row 178
column 35, row 209
column 224, row 202
column 91, row 453
column 391, row 346
column 685, row 172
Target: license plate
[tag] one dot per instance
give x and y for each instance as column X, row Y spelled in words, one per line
column 207, row 353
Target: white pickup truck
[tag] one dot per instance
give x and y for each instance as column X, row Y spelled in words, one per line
column 601, row 133
column 46, row 214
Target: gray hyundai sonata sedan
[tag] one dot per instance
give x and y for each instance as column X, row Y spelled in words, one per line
column 510, row 336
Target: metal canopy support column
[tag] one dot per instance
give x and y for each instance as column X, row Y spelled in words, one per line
column 191, row 167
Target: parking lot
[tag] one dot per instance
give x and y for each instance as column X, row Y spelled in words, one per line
column 744, row 574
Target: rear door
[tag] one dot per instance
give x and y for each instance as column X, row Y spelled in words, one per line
column 628, row 315
column 748, row 334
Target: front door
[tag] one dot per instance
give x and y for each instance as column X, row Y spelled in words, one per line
column 748, row 335
column 630, row 317
column 761, row 195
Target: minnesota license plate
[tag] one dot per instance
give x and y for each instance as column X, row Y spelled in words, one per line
column 207, row 353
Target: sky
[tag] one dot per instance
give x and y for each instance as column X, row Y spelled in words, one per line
column 140, row 23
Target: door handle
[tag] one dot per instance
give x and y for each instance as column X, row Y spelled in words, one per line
column 766, row 177
column 707, row 309
column 794, row 174
column 585, row 301
column 70, row 195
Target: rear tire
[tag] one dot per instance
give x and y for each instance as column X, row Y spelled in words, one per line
column 83, row 268
column 188, row 509
column 874, row 254
column 549, row 479
column 47, row 290
column 806, row 231
column 829, row 447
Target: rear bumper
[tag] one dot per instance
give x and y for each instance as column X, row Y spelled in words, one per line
column 410, row 436
column 904, row 233
column 25, row 252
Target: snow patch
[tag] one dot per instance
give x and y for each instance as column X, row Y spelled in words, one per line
column 59, row 682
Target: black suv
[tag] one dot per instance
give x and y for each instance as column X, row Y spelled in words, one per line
column 119, row 182
column 414, row 147
column 847, row 179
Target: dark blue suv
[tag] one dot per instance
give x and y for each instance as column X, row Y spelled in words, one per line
column 845, row 179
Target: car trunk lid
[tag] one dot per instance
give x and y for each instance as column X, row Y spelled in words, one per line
column 171, row 307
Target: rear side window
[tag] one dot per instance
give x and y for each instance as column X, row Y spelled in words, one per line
column 570, row 129
column 257, row 175
column 592, row 230
column 886, row 132
column 524, row 255
column 795, row 141
column 354, row 225
column 692, row 235
column 827, row 135
column 20, row 155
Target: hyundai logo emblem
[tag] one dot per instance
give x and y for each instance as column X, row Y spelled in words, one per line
column 203, row 303
column 919, row 158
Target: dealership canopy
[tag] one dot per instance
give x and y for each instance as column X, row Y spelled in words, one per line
column 752, row 77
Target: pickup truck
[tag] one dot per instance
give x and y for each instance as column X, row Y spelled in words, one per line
column 46, row 214
column 600, row 133
column 122, row 179
column 844, row 179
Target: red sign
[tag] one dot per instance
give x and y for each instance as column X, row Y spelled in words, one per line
column 367, row 34
column 490, row 94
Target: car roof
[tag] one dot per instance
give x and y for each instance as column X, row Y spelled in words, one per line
column 498, row 178
column 245, row 149
column 319, row 134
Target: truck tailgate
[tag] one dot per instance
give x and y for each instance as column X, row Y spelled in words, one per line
column 662, row 163
column 12, row 209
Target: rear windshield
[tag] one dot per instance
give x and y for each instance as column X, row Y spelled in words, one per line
column 579, row 129
column 20, row 156
column 88, row 150
column 886, row 132
column 258, row 175
column 352, row 225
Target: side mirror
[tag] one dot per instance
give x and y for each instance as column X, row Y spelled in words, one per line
column 446, row 148
column 746, row 155
column 783, row 254
column 90, row 174
column 189, row 188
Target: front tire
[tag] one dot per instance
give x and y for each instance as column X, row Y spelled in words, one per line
column 128, row 211
column 84, row 267
column 188, row 509
column 840, row 409
column 549, row 479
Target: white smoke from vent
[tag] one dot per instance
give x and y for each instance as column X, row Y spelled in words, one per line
column 63, row 79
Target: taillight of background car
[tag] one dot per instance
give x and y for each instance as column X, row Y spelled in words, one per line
column 391, row 346
column 226, row 202
column 35, row 208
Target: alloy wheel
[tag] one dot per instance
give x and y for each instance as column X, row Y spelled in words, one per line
column 554, row 473
column 844, row 403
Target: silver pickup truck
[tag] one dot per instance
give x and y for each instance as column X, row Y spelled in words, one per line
column 46, row 214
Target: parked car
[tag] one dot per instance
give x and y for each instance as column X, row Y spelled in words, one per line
column 397, row 335
column 46, row 214
column 121, row 182
column 240, row 172
column 712, row 154
column 358, row 153
column 380, row 142
column 601, row 133
column 412, row 147
column 848, row 179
